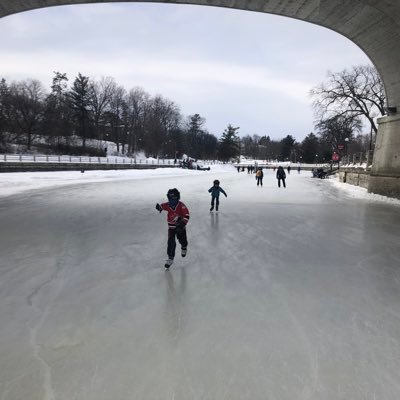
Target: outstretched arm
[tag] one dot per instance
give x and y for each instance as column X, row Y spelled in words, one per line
column 223, row 191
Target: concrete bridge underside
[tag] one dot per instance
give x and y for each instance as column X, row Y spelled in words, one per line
column 373, row 25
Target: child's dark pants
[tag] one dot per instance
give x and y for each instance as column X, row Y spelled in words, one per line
column 216, row 199
column 180, row 233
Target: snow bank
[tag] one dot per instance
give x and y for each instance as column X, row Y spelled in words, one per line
column 17, row 182
column 358, row 192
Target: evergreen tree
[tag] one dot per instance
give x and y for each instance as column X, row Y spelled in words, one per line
column 287, row 147
column 79, row 97
column 56, row 119
column 309, row 148
column 228, row 145
column 194, row 133
column 265, row 141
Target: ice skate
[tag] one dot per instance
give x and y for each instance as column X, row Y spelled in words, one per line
column 183, row 251
column 168, row 263
column 212, row 208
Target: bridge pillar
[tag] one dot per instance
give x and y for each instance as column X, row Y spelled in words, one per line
column 385, row 172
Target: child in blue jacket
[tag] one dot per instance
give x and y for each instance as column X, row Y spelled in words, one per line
column 215, row 191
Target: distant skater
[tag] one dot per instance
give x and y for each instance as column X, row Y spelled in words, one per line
column 177, row 219
column 298, row 169
column 259, row 176
column 288, row 169
column 281, row 176
column 215, row 190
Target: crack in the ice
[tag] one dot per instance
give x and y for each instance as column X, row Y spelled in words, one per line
column 49, row 393
column 42, row 285
column 47, row 384
column 8, row 384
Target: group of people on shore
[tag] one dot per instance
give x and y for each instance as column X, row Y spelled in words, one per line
column 250, row 168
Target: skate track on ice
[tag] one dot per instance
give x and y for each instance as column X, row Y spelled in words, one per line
column 286, row 294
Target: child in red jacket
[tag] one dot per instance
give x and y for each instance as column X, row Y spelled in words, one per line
column 177, row 218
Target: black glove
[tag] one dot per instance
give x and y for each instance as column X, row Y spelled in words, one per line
column 180, row 222
column 180, row 225
column 226, row 195
column 180, row 229
column 158, row 207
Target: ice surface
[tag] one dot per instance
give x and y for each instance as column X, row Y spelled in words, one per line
column 284, row 294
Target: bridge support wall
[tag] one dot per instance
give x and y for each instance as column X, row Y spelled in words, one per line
column 385, row 172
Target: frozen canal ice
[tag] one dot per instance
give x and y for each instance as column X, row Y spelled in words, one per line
column 286, row 294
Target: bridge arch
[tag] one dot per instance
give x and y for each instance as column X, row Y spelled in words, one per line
column 372, row 25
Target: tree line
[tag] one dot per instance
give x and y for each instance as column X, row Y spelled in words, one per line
column 345, row 104
column 313, row 148
column 102, row 110
column 134, row 120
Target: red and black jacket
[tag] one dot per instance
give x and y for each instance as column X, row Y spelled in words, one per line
column 176, row 214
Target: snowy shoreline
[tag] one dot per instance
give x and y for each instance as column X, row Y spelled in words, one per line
column 18, row 182
column 358, row 192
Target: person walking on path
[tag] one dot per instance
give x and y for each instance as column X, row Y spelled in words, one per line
column 177, row 219
column 215, row 190
column 259, row 176
column 281, row 176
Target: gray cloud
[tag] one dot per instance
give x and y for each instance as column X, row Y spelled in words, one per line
column 250, row 69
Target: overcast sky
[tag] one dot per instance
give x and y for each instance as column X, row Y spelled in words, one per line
column 252, row 70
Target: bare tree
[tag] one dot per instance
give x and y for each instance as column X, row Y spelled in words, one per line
column 115, row 114
column 163, row 117
column 5, row 108
column 100, row 97
column 27, row 107
column 137, row 104
column 171, row 121
column 355, row 93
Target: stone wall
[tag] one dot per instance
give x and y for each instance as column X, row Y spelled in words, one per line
column 355, row 177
